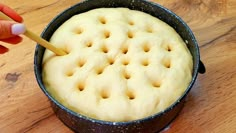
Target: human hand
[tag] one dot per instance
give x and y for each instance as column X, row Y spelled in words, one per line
column 9, row 30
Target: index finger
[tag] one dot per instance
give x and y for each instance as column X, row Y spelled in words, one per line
column 11, row 13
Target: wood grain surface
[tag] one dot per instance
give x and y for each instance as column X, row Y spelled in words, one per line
column 210, row 105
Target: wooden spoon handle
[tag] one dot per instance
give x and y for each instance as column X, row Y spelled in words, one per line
column 44, row 43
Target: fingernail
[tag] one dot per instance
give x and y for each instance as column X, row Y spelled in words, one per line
column 17, row 29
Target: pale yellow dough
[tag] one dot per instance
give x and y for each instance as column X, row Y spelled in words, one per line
column 122, row 65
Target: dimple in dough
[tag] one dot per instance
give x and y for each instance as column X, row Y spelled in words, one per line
column 121, row 65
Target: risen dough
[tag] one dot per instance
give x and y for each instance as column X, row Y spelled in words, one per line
column 122, row 65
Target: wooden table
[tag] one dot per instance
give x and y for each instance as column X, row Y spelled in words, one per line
column 210, row 106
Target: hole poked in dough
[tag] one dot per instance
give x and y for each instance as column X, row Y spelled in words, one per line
column 145, row 62
column 125, row 61
column 70, row 73
column 127, row 75
column 67, row 49
column 130, row 34
column 102, row 20
column 107, row 34
column 169, row 48
column 149, row 29
column 110, row 60
column 104, row 49
column 167, row 63
column 105, row 93
column 81, row 86
column 130, row 22
column 100, row 70
column 79, row 31
column 130, row 94
column 89, row 44
column 81, row 62
column 125, row 50
column 146, row 47
column 156, row 84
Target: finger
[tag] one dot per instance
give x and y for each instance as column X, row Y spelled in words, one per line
column 3, row 49
column 11, row 13
column 5, row 29
column 13, row 40
column 10, row 29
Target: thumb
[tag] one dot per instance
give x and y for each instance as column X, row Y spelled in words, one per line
column 10, row 29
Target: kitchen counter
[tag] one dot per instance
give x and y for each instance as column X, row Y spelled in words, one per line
column 210, row 105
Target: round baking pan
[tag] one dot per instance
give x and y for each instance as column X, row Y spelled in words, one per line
column 153, row 123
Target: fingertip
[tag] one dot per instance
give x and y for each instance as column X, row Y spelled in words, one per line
column 13, row 40
column 17, row 18
column 11, row 13
column 17, row 29
column 3, row 49
column 5, row 29
column 10, row 29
